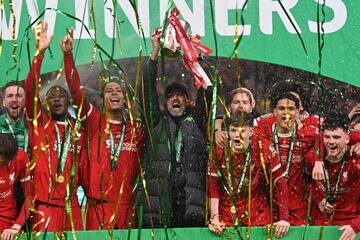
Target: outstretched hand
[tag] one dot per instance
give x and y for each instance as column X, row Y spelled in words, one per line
column 41, row 37
column 282, row 227
column 318, row 171
column 11, row 233
column 217, row 227
column 348, row 234
column 66, row 43
column 155, row 41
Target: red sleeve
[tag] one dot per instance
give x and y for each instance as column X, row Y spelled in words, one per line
column 84, row 169
column 280, row 186
column 213, row 167
column 281, row 197
column 24, row 212
column 32, row 87
column 263, row 127
column 355, row 225
column 214, row 187
column 354, row 136
column 24, row 178
column 73, row 82
column 317, row 192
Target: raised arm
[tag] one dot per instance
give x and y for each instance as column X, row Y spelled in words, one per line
column 32, row 100
column 202, row 108
column 72, row 75
column 150, row 98
column 215, row 225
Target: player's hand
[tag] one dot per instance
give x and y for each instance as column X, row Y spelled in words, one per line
column 326, row 208
column 221, row 138
column 216, row 226
column 354, row 111
column 66, row 43
column 355, row 150
column 348, row 234
column 318, row 171
column 155, row 41
column 10, row 233
column 282, row 227
column 41, row 36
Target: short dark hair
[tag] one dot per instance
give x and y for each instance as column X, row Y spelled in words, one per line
column 289, row 85
column 13, row 83
column 112, row 74
column 336, row 119
column 285, row 95
column 8, row 146
column 241, row 118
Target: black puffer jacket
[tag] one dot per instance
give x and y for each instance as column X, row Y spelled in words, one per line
column 176, row 189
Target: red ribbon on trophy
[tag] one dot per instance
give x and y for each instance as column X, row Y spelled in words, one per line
column 176, row 37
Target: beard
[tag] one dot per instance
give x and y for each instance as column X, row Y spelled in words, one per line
column 176, row 112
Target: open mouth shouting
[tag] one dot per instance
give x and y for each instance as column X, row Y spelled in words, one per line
column 176, row 104
column 115, row 100
column 14, row 107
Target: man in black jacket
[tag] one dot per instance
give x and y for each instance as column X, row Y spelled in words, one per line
column 176, row 154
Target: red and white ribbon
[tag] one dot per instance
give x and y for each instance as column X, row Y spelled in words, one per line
column 190, row 55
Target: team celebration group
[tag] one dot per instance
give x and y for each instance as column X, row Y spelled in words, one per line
column 144, row 165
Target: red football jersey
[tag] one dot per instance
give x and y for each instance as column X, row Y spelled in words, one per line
column 306, row 141
column 102, row 180
column 219, row 185
column 17, row 170
column 346, row 202
column 43, row 141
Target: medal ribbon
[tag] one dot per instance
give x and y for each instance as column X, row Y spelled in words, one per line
column 178, row 144
column 290, row 152
column 333, row 192
column 229, row 167
column 63, row 153
column 247, row 161
column 114, row 154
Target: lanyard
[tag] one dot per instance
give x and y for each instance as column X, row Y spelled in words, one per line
column 178, row 146
column 114, row 154
column 26, row 135
column 247, row 161
column 333, row 192
column 291, row 148
column 63, row 153
column 229, row 167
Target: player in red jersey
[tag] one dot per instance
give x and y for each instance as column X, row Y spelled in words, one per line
column 109, row 172
column 14, row 166
column 336, row 198
column 55, row 149
column 304, row 118
column 292, row 144
column 229, row 180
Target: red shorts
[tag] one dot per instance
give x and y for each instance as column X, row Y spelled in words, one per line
column 99, row 215
column 59, row 220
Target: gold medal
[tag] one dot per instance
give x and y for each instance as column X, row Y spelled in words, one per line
column 233, row 209
column 60, row 179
